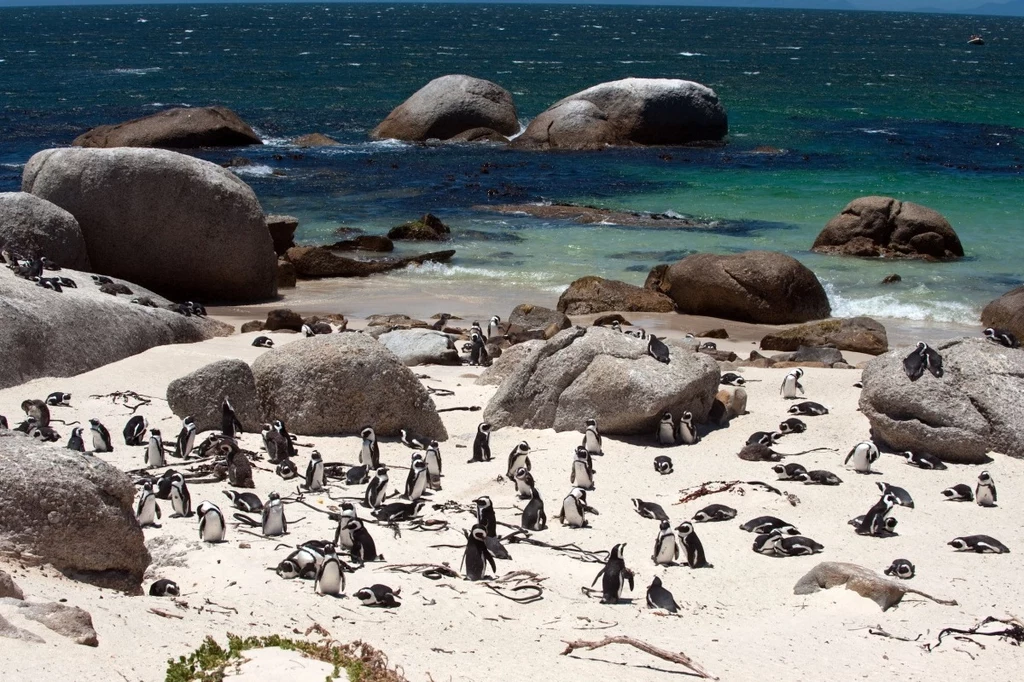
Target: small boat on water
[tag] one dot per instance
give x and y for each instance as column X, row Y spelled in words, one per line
column 976, row 40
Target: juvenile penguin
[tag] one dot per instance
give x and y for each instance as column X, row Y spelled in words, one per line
column 100, row 437
column 181, row 498
column 901, row 568
column 687, row 432
column 862, row 456
column 155, row 450
column 369, row 452
column 592, row 439
column 660, row 598
column 961, row 492
column 135, row 431
column 657, row 349
column 477, row 556
column 666, row 434
column 666, row 551
column 229, row 424
column 649, row 510
column 985, row 492
column 274, row 522
column 186, row 438
column 211, row 523
column 615, row 576
column 246, row 501
column 416, row 482
column 534, row 517
column 75, row 442
column 982, row 544
column 519, row 457
column 433, row 459
column 575, row 508
column 315, row 472
column 921, row 358
column 378, row 595
column 791, row 384
column 694, row 548
column 808, row 409
column 263, row 342
column 582, row 474
column 714, row 512
column 482, row 443
column 922, row 460
column 663, row 465
column 1002, row 337
column 330, row 576
column 376, row 490
column 147, row 511
column 485, row 515
column 363, row 547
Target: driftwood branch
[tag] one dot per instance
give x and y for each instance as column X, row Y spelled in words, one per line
column 1013, row 632
column 714, row 487
column 679, row 658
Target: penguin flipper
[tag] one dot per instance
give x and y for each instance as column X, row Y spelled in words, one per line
column 157, row 506
column 490, row 559
column 599, row 574
column 629, row 577
column 850, row 455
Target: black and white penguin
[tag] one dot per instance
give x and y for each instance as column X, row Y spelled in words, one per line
column 229, row 424
column 100, row 437
column 315, row 472
column 411, row 441
column 961, row 492
column 416, row 481
column 889, row 525
column 246, row 501
column 791, row 384
column 614, row 576
column 534, row 517
column 274, row 522
column 1002, row 337
column 766, row 438
column 494, row 327
column 432, row 457
column 286, row 469
column 592, row 439
column 59, row 399
column 164, row 588
column 369, row 451
column 582, row 474
column 797, row 545
column 818, row 477
column 363, row 547
column 181, row 498
column 901, row 568
column 660, row 598
column 376, row 490
column 135, row 431
column 714, row 512
column 808, row 409
column 147, row 511
column 792, row 425
column 873, row 523
column 342, row 534
column 211, row 523
column 155, row 450
column 903, row 497
column 708, row 345
column 307, row 331
column 985, row 492
column 765, row 543
column 378, row 595
column 478, row 351
column 330, row 576
column 982, row 544
column 186, row 438
column 575, row 508
column 686, row 432
column 923, row 460
column 692, row 546
column 477, row 556
column 657, row 349
column 283, row 440
column 649, row 510
column 3, row 422
column 75, row 442
column 666, row 433
column 485, row 515
column 789, row 472
column 862, row 456
column 663, row 465
column 519, row 457
column 263, row 342
column 921, row 358
column 666, row 551
column 767, row 524
column 482, row 443
column 732, row 379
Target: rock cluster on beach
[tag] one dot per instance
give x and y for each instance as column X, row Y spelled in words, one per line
column 589, row 295
column 859, row 334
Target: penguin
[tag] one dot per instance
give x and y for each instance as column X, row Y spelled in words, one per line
column 534, row 517
column 694, row 548
column 792, row 425
column 286, row 469
column 766, row 543
column 660, row 598
column 155, row 450
column 649, row 510
column 315, row 472
column 416, row 482
column 100, row 437
column 37, row 411
column 58, row 399
column 358, row 475
column 663, row 465
column 433, row 459
column 923, row 460
column 789, row 472
column 147, row 511
column 284, row 441
column 485, row 515
column 686, row 432
column 442, row 321
column 378, row 595
column 903, row 497
column 482, row 443
column 164, row 588
column 197, row 309
column 982, row 544
column 574, row 509
column 181, row 498
column 363, row 547
column 274, row 522
column 376, row 490
column 519, row 457
column 808, row 409
column 478, row 352
column 246, row 501
column 818, row 477
column 343, row 535
column 582, row 475
column 732, row 379
column 100, row 280
column 666, row 551
column 3, row 422
column 369, row 452
column 229, row 424
column 186, row 438
column 135, row 431
column 524, row 483
column 921, row 358
column 863, row 455
column 657, row 349
column 330, row 576
column 766, row 438
column 263, row 342
column 767, row 524
column 411, row 441
column 493, row 327
column 708, row 345
column 1002, row 337
column 714, row 512
column 307, row 331
column 889, row 524
column 666, row 434
column 477, row 556
column 616, row 326
column 592, row 439
column 985, row 492
column 797, row 545
column 211, row 523
column 614, row 576
column 791, row 384
column 961, row 492
column 873, row 523
column 75, row 442
column 901, row 568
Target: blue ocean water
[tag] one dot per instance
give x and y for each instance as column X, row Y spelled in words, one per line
column 823, row 107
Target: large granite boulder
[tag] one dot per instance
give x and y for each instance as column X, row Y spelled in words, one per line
column 45, row 333
column 421, row 347
column 883, row 226
column 201, row 393
column 765, row 287
column 337, row 384
column 184, row 227
column 632, row 111
column 959, row 418
column 530, row 316
column 179, row 128
column 589, row 295
column 596, row 372
column 857, row 334
column 448, row 106
column 81, row 520
column 1006, row 312
column 30, row 225
column 507, row 363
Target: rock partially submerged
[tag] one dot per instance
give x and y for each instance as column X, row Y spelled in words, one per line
column 179, row 128
column 857, row 334
column 589, row 295
column 315, row 140
column 590, row 215
column 33, row 226
column 320, row 261
column 427, row 228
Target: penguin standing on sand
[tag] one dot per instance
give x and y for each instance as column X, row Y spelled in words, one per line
column 660, row 598
column 477, row 556
column 211, row 523
column 433, row 459
column 100, row 437
column 315, row 472
column 691, row 543
column 666, row 434
column 614, row 576
column 791, row 384
column 155, row 450
column 369, row 452
column 147, row 511
column 534, row 517
column 592, row 439
column 663, row 465
column 863, row 455
column 666, row 551
column 285, row 441
column 519, row 457
column 363, row 547
column 376, row 490
column 343, row 535
column 485, row 515
column 229, row 424
column 524, row 482
column 135, row 431
column 186, row 438
column 75, row 442
column 416, row 482
column 478, row 351
column 582, row 475
column 482, row 443
column 274, row 522
column 574, row 509
column 985, row 492
column 330, row 578
column 181, row 498
column 686, row 432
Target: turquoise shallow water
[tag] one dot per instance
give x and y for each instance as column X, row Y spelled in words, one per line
column 855, row 103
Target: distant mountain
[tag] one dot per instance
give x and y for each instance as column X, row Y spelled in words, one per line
column 1014, row 8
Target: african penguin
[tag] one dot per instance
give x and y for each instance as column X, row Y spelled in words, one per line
column 411, row 441
column 369, row 452
column 649, row 510
column 666, row 434
column 791, row 384
column 808, row 409
column 921, row 358
column 164, row 588
column 135, row 431
column 657, row 349
column 274, row 522
column 524, row 483
column 792, row 425
column 789, row 472
column 961, row 492
column 1002, row 337
column 246, row 501
column 147, row 511
column 186, row 438
column 263, row 342
column 982, row 544
column 797, row 545
column 330, row 576
column 666, row 551
column 286, row 469
column 686, row 432
column 660, row 598
column 478, row 351
column 582, row 474
column 766, row 524
column 181, row 498
column 873, row 522
column 766, row 438
column 442, row 320
column 416, row 482
column 863, row 455
column 229, row 424
column 692, row 545
column 100, row 437
column 75, row 442
column 592, row 439
column 378, row 595
column 307, row 331
column 614, row 576
column 482, row 443
column 363, row 547
column 732, row 379
column 574, row 509
column 765, row 543
column 376, row 490
column 477, row 556
column 315, row 472
column 985, row 492
column 211, row 523
column 434, row 465
column 533, row 517
column 663, row 464
column 714, row 512
column 155, row 450
column 901, row 568
column 818, row 477
column 903, row 497
column 923, row 460
column 494, row 327
column 519, row 457
column 343, row 535
column 485, row 515
column 59, row 399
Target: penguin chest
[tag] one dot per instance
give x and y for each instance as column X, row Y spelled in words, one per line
column 517, row 462
column 985, row 496
column 418, row 485
column 591, row 443
column 273, row 524
column 213, row 528
column 343, row 538
column 666, row 435
column 572, row 513
column 332, row 580
column 177, row 501
column 316, row 477
column 366, row 456
column 687, row 434
column 155, row 454
column 433, row 464
column 581, row 476
column 98, row 443
column 147, row 511
column 667, row 550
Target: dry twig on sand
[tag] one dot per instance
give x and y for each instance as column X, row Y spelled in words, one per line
column 713, row 487
column 1014, row 632
column 680, row 658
